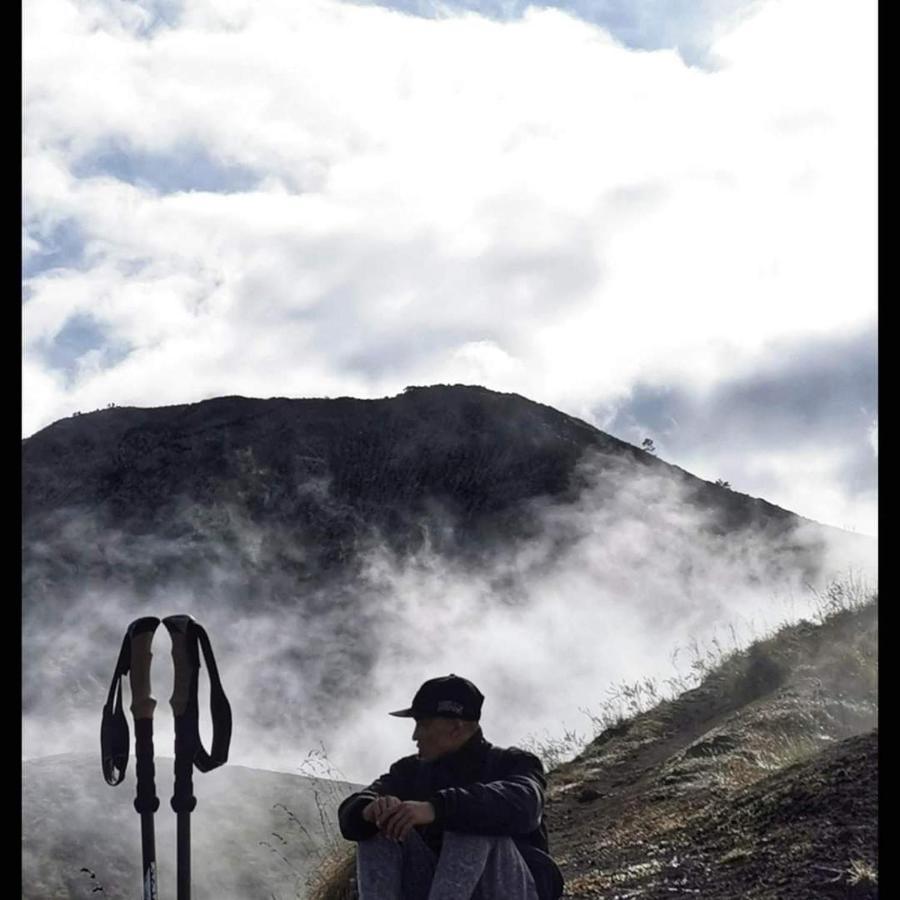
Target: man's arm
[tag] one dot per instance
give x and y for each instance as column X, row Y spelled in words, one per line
column 512, row 804
column 357, row 824
column 354, row 825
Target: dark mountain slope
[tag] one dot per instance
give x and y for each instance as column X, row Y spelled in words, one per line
column 287, row 527
column 460, row 467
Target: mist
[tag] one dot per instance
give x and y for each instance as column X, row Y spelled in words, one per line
column 604, row 590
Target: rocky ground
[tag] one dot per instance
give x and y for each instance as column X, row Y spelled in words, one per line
column 761, row 783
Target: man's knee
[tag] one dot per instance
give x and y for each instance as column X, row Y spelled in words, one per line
column 482, row 850
column 470, row 840
column 382, row 847
column 486, row 842
column 377, row 840
column 503, row 871
column 378, row 847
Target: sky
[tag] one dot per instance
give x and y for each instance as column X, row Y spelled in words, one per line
column 659, row 217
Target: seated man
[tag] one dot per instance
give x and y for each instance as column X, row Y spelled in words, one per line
column 462, row 819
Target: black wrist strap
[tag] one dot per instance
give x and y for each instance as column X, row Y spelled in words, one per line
column 114, row 734
column 220, row 710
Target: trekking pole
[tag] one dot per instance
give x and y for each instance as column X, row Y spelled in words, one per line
column 134, row 657
column 188, row 636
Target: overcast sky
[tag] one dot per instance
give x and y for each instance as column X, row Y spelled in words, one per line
column 657, row 216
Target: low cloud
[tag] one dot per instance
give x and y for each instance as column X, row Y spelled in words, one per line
column 607, row 591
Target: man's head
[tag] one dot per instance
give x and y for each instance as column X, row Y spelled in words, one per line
column 446, row 710
column 438, row 737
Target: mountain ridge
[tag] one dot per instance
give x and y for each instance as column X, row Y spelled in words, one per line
column 192, row 419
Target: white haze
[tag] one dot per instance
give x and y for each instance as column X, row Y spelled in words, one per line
column 72, row 819
column 611, row 588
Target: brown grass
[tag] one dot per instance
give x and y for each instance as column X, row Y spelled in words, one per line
column 333, row 878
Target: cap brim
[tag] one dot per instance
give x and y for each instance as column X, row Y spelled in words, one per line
column 405, row 713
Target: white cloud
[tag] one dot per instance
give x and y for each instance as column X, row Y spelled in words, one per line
column 41, row 391
column 487, row 362
column 604, row 590
column 801, row 478
column 527, row 204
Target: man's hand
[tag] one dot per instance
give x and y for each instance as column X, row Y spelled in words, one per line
column 403, row 816
column 377, row 809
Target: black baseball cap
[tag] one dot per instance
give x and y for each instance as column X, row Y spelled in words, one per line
column 447, row 697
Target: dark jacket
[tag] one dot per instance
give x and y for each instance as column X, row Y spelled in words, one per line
column 478, row 789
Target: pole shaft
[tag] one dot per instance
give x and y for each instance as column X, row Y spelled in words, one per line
column 185, row 657
column 148, row 847
column 146, row 802
column 184, row 856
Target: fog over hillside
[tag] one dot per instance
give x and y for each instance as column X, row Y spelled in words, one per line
column 330, row 590
column 253, row 834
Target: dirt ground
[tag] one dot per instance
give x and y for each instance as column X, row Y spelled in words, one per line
column 762, row 783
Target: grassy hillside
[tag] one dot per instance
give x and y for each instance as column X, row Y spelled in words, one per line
column 759, row 783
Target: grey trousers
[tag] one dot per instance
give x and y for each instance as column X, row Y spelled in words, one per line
column 470, row 867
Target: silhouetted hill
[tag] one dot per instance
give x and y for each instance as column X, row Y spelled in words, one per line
column 460, row 468
column 290, row 525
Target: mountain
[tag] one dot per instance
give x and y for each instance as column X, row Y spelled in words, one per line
column 340, row 551
column 322, row 541
column 459, row 467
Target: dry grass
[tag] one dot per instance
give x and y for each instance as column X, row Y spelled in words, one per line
column 860, row 872
column 783, row 749
column 334, row 876
column 598, row 880
column 848, row 593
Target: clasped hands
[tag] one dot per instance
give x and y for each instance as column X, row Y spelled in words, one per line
column 395, row 817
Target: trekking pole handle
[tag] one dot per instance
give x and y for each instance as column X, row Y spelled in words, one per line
column 181, row 659
column 143, row 702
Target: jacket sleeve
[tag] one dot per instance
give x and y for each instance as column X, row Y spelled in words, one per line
column 353, row 826
column 513, row 804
